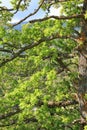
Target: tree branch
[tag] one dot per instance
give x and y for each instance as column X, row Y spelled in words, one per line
column 30, row 46
column 9, row 114
column 29, row 15
column 18, row 6
column 50, row 104
column 5, row 50
column 5, row 9
column 11, row 9
column 14, row 122
column 62, row 103
column 58, row 18
column 53, row 3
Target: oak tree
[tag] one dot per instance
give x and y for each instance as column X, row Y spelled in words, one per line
column 43, row 66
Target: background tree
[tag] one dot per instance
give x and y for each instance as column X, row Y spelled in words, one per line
column 43, row 67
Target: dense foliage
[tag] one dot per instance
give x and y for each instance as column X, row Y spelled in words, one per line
column 39, row 76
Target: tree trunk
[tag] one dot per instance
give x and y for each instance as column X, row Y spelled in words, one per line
column 82, row 91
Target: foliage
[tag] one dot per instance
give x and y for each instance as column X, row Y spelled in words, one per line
column 39, row 68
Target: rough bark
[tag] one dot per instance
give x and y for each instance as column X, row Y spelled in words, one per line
column 82, row 91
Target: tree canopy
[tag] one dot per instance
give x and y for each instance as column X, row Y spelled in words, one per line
column 43, row 67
